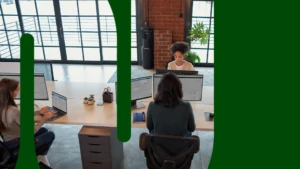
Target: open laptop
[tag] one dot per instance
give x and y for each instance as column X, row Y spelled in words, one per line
column 59, row 104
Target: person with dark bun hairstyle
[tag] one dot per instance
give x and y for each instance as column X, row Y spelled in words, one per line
column 168, row 114
column 178, row 50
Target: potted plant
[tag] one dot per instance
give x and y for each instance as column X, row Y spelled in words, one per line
column 90, row 101
column 92, row 96
column 192, row 57
column 85, row 100
column 197, row 34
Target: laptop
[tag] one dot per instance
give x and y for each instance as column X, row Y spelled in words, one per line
column 59, row 104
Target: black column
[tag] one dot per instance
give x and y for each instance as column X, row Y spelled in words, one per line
column 147, row 48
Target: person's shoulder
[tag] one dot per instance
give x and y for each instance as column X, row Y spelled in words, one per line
column 185, row 104
column 13, row 110
column 188, row 63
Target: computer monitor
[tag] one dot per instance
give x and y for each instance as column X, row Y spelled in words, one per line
column 192, row 86
column 40, row 87
column 178, row 72
column 141, row 88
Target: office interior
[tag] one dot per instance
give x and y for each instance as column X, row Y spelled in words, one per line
column 75, row 51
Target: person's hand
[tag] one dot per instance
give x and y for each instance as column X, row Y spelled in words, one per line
column 48, row 115
column 44, row 110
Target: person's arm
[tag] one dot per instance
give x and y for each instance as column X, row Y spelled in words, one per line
column 191, row 123
column 150, row 125
column 36, row 113
column 169, row 67
column 17, row 118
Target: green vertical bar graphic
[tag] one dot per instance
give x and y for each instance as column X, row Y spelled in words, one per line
column 27, row 157
column 122, row 15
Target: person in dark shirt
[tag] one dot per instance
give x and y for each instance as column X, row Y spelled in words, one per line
column 168, row 114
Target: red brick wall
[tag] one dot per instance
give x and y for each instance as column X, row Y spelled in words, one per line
column 162, row 42
column 168, row 27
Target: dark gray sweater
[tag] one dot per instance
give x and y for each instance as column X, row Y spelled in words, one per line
column 178, row 121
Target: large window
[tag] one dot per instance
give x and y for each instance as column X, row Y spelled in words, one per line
column 64, row 30
column 203, row 11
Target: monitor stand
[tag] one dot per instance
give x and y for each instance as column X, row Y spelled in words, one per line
column 136, row 104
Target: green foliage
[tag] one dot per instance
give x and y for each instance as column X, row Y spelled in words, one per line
column 192, row 57
column 199, row 34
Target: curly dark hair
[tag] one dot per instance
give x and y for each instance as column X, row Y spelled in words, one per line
column 182, row 47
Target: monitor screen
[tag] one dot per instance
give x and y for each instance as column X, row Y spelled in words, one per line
column 59, row 102
column 141, row 88
column 178, row 72
column 192, row 86
column 40, row 87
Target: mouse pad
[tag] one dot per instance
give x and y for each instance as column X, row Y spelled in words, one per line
column 208, row 117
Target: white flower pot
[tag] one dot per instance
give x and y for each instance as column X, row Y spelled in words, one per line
column 85, row 101
column 90, row 102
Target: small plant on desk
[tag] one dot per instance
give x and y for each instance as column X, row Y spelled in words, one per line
column 85, row 100
column 92, row 96
column 90, row 101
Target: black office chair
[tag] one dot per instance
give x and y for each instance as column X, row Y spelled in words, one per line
column 166, row 66
column 7, row 162
column 169, row 152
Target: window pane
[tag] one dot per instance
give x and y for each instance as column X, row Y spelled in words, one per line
column 202, row 54
column 14, row 37
column 133, row 54
column 211, row 56
column 87, row 7
column 90, row 39
column 38, row 53
column 12, row 23
column 1, row 22
column 109, row 54
column 107, row 24
column 52, row 53
column 72, row 39
column 89, row 24
column 50, row 39
column 4, row 52
column 91, row 54
column 70, row 23
column 133, row 7
column 133, row 39
column 8, row 7
column 213, row 9
column 109, row 38
column 104, row 8
column 74, row 54
column 31, row 24
column 212, row 41
column 68, row 7
column 201, row 8
column 48, row 23
column 212, row 27
column 15, row 50
column 28, row 7
column 3, row 38
column 37, row 38
column 133, row 24
column 45, row 7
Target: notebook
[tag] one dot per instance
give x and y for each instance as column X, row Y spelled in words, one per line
column 139, row 117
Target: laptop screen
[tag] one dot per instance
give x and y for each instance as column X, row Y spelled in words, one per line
column 59, row 102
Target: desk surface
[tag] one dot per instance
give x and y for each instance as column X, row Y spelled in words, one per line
column 83, row 114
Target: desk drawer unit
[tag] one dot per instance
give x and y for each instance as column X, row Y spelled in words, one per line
column 100, row 148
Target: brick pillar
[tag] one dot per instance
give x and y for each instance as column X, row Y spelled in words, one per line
column 168, row 27
column 162, row 43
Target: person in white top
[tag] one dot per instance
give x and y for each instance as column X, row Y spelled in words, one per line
column 178, row 50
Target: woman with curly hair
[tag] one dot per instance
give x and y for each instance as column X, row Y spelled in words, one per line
column 178, row 50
